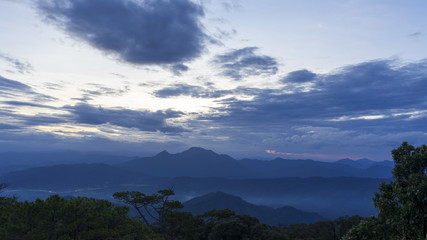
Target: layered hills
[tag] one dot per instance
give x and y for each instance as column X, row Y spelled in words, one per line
column 331, row 189
column 269, row 215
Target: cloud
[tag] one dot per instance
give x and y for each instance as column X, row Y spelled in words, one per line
column 241, row 63
column 138, row 32
column 142, row 120
column 299, row 76
column 178, row 68
column 7, row 126
column 21, row 67
column 12, row 88
column 190, row 90
column 101, row 90
column 367, row 89
column 231, row 5
column 376, row 100
column 415, row 35
column 27, row 104
column 8, row 86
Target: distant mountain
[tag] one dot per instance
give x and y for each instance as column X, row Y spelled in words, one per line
column 269, row 215
column 199, row 162
column 365, row 163
column 71, row 176
column 14, row 161
column 309, row 168
column 195, row 162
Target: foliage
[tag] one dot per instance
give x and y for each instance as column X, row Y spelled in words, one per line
column 59, row 218
column 242, row 227
column 324, row 230
column 156, row 206
column 402, row 203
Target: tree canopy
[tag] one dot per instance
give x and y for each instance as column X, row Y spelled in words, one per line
column 402, row 203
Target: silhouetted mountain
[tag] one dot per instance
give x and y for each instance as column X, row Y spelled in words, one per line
column 269, row 215
column 14, row 161
column 71, row 176
column 194, row 162
column 279, row 167
column 365, row 163
column 198, row 162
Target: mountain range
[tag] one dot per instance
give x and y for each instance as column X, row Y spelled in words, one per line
column 331, row 189
column 198, row 162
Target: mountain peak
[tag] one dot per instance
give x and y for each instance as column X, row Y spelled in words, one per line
column 198, row 150
column 163, row 153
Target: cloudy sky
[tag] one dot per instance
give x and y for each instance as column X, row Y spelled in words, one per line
column 298, row 79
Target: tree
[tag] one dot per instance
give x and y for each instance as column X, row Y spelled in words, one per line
column 156, row 206
column 76, row 218
column 402, row 203
column 243, row 227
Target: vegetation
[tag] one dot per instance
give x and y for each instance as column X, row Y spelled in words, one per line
column 323, row 230
column 402, row 203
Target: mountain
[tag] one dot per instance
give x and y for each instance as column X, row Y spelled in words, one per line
column 71, row 176
column 269, row 215
column 330, row 197
column 14, row 161
column 199, row 162
column 365, row 163
column 195, row 162
column 309, row 168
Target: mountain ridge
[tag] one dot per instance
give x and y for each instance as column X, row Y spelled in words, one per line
column 273, row 216
column 199, row 162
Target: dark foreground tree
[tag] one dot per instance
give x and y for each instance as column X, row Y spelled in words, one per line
column 402, row 203
column 76, row 218
column 154, row 209
column 324, row 230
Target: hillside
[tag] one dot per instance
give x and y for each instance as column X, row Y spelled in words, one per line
column 309, row 168
column 71, row 176
column 330, row 197
column 269, row 215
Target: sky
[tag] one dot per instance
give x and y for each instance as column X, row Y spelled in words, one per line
column 302, row 79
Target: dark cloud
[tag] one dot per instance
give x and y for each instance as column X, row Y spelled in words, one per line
column 12, row 88
column 242, row 63
column 178, row 68
column 27, row 104
column 7, row 126
column 42, row 120
column 371, row 96
column 190, row 90
column 20, row 66
column 138, row 32
column 299, row 76
column 142, row 120
column 150, row 121
column 25, row 120
column 8, row 86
